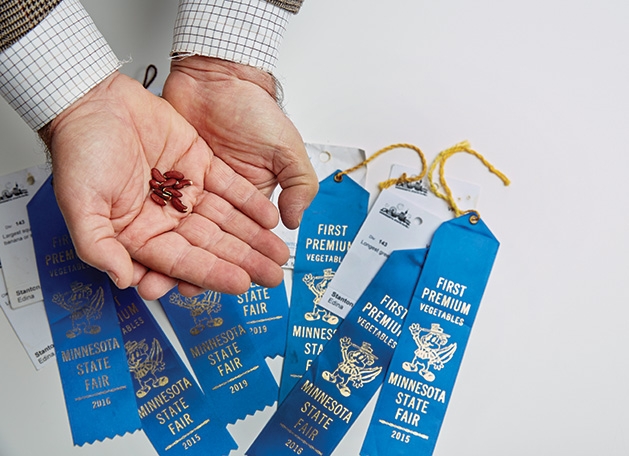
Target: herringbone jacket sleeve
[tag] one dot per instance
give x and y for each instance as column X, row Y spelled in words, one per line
column 18, row 17
column 289, row 5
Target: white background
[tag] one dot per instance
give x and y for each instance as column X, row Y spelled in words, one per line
column 541, row 88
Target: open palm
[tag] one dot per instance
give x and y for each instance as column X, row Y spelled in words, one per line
column 233, row 108
column 103, row 148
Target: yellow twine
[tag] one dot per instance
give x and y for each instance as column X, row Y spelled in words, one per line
column 440, row 161
column 388, row 183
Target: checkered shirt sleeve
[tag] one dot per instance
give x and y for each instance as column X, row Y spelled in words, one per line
column 55, row 64
column 242, row 31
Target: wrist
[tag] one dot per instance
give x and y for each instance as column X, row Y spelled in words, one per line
column 47, row 132
column 211, row 68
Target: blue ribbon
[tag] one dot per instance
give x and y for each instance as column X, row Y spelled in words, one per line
column 221, row 352
column 264, row 311
column 176, row 416
column 326, row 232
column 326, row 401
column 418, row 385
column 90, row 351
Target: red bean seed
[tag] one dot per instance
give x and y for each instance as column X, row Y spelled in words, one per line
column 182, row 183
column 154, row 184
column 169, row 183
column 177, row 204
column 172, row 192
column 158, row 200
column 174, row 175
column 161, row 194
column 159, row 177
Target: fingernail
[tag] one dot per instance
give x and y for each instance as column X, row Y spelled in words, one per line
column 113, row 277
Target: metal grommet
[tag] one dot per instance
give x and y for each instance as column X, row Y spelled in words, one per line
column 474, row 217
column 338, row 177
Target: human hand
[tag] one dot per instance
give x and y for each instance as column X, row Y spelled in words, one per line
column 103, row 148
column 233, row 107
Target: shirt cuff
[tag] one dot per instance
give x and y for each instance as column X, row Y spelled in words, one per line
column 55, row 64
column 245, row 31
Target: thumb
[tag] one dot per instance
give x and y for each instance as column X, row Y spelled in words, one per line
column 295, row 199
column 296, row 177
column 95, row 244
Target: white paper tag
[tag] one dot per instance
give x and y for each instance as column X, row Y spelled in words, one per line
column 402, row 217
column 31, row 327
column 325, row 160
column 16, row 247
column 465, row 193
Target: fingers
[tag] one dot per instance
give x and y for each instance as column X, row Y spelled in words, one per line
column 216, row 247
column 171, row 254
column 139, row 271
column 188, row 289
column 234, row 222
column 201, row 252
column 256, row 251
column 238, row 191
column 153, row 285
